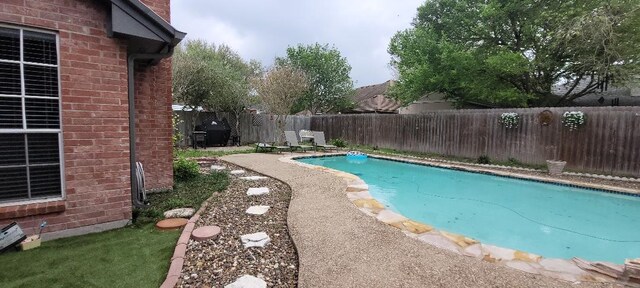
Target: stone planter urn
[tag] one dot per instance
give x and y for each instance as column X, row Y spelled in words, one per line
column 555, row 167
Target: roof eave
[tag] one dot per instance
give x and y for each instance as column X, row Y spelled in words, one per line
column 131, row 19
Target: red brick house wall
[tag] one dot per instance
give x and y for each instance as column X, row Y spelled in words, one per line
column 153, row 115
column 93, row 81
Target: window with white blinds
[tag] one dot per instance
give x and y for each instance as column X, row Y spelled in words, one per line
column 30, row 135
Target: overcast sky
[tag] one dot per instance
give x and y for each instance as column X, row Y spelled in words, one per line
column 263, row 29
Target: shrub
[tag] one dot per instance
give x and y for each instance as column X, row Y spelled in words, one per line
column 146, row 215
column 484, row 159
column 177, row 135
column 514, row 162
column 184, row 169
column 173, row 203
column 339, row 142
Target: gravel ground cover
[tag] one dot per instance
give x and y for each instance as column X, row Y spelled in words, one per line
column 220, row 261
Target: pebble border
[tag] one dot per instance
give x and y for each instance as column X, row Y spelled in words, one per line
column 177, row 260
column 358, row 193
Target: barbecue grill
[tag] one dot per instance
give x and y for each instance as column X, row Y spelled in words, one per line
column 218, row 131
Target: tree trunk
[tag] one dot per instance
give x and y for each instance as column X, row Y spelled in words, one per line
column 281, row 121
column 237, row 115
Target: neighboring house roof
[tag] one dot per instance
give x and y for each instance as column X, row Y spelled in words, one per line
column 608, row 99
column 373, row 99
column 621, row 94
column 180, row 107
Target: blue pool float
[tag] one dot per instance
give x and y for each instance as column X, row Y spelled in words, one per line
column 356, row 157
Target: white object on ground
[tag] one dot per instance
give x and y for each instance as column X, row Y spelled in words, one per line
column 257, row 210
column 179, row 213
column 236, row 172
column 259, row 239
column 217, row 167
column 257, row 191
column 253, row 178
column 247, row 281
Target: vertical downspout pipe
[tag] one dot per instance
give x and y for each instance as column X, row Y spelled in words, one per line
column 132, row 116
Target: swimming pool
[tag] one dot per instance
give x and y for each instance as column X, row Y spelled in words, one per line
column 554, row 221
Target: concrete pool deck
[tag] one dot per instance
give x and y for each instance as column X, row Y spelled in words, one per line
column 339, row 246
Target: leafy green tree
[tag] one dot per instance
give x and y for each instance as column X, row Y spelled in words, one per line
column 328, row 74
column 212, row 77
column 513, row 52
column 235, row 93
column 194, row 74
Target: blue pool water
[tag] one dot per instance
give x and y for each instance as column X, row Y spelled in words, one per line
column 550, row 220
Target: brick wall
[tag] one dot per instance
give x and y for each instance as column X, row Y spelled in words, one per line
column 153, row 124
column 93, row 73
column 153, row 115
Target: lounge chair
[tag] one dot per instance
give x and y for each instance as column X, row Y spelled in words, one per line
column 306, row 135
column 292, row 141
column 266, row 147
column 318, row 138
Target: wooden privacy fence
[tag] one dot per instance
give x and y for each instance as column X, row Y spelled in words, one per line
column 263, row 127
column 253, row 127
column 609, row 142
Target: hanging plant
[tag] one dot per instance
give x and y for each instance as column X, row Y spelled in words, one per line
column 510, row 119
column 573, row 119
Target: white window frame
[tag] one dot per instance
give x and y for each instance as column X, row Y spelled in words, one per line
column 26, row 130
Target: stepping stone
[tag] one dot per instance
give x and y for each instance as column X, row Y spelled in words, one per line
column 253, row 178
column 179, row 213
column 247, row 281
column 259, row 239
column 205, row 233
column 217, row 168
column 171, row 223
column 257, row 210
column 236, row 172
column 257, row 191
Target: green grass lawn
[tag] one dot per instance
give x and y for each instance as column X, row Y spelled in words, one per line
column 134, row 256
column 189, row 193
column 126, row 257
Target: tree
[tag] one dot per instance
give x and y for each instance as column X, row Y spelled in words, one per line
column 279, row 89
column 194, row 75
column 328, row 74
column 212, row 77
column 513, row 52
column 235, row 93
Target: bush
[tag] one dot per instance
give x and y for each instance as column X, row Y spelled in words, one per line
column 173, row 203
column 484, row 159
column 184, row 169
column 146, row 215
column 339, row 142
column 514, row 162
